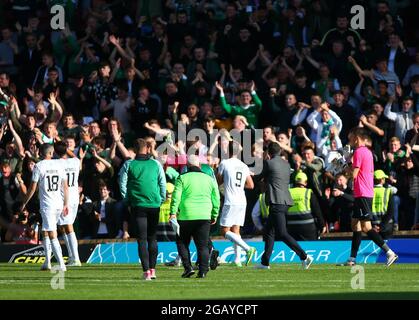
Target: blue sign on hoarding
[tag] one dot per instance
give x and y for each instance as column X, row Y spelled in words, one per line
column 322, row 251
column 406, row 249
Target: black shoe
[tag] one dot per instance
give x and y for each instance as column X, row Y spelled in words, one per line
column 188, row 273
column 214, row 259
column 201, row 275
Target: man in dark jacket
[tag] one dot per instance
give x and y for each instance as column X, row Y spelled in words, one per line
column 29, row 60
column 398, row 57
column 342, row 203
column 345, row 112
column 276, row 175
column 104, row 224
column 84, row 215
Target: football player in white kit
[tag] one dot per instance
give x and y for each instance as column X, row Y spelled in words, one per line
column 236, row 176
column 50, row 177
column 71, row 167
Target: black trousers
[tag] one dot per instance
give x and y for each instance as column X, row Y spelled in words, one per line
column 276, row 225
column 303, row 232
column 210, row 244
column 146, row 222
column 199, row 231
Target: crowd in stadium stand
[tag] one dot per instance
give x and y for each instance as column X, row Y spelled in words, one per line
column 121, row 70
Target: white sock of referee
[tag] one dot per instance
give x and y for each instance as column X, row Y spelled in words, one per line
column 47, row 249
column 72, row 239
column 235, row 238
column 56, row 249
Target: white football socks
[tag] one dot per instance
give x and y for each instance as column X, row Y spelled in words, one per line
column 237, row 252
column 47, row 249
column 68, row 245
column 56, row 249
column 72, row 239
column 235, row 238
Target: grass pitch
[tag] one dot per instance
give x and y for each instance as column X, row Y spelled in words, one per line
column 285, row 281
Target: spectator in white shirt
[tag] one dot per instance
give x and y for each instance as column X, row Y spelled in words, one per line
column 323, row 120
column 403, row 119
column 329, row 148
column 301, row 115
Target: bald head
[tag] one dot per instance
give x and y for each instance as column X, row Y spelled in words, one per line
column 193, row 161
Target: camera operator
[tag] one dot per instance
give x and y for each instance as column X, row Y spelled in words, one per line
column 11, row 186
column 24, row 227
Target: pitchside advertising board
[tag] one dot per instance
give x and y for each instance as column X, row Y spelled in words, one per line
column 30, row 254
column 322, row 251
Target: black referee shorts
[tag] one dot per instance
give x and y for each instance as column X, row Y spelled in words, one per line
column 363, row 209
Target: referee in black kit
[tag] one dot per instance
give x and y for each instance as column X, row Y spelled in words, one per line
column 276, row 175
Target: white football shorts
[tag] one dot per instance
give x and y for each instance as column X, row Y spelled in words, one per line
column 233, row 215
column 50, row 218
column 71, row 217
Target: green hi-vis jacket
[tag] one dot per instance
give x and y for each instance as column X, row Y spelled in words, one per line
column 264, row 209
column 380, row 202
column 196, row 196
column 165, row 211
column 251, row 113
column 142, row 182
column 300, row 212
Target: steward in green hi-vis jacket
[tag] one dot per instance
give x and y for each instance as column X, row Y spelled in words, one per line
column 195, row 203
column 304, row 218
column 382, row 206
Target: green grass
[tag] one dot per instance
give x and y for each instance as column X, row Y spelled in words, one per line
column 400, row 281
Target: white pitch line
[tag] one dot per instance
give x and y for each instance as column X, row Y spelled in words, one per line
column 140, row 285
column 183, row 280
